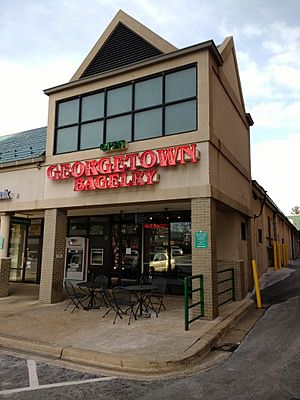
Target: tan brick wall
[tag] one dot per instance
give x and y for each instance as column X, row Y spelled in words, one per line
column 53, row 258
column 204, row 261
column 4, row 276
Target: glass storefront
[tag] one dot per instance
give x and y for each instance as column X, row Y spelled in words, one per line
column 25, row 249
column 150, row 244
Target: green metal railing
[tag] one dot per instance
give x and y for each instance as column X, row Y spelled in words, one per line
column 188, row 290
column 230, row 289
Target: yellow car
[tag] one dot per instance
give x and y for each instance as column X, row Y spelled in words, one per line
column 160, row 262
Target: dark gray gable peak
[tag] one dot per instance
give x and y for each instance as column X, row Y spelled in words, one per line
column 123, row 47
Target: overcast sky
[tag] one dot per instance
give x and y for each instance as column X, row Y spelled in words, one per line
column 42, row 43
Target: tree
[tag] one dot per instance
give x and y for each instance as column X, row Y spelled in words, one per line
column 295, row 210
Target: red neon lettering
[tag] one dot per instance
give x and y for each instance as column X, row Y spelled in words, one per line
column 119, row 163
column 89, row 184
column 113, row 181
column 65, row 171
column 148, row 159
column 77, row 169
column 101, row 182
column 53, row 172
column 90, row 167
column 168, row 156
column 78, row 184
column 124, row 182
column 137, row 178
column 149, row 176
column 190, row 150
column 132, row 160
column 104, row 162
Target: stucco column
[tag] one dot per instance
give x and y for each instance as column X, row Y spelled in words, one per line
column 4, row 234
column 53, row 257
column 204, row 260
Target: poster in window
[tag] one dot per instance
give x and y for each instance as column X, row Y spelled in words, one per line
column 97, row 256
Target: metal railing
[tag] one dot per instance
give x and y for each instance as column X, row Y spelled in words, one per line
column 228, row 289
column 188, row 290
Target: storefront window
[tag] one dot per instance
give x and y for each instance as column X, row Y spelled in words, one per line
column 162, row 105
column 17, row 251
column 78, row 227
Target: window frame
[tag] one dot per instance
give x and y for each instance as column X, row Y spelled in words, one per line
column 132, row 112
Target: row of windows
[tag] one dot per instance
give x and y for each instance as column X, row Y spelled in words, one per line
column 158, row 106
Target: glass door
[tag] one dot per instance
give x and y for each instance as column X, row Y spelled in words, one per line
column 126, row 265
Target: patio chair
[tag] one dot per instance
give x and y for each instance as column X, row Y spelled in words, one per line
column 76, row 297
column 156, row 297
column 100, row 285
column 120, row 302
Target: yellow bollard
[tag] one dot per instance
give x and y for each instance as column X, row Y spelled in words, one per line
column 278, row 256
column 286, row 255
column 275, row 255
column 256, row 284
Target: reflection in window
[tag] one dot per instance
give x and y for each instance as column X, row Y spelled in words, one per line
column 91, row 135
column 68, row 112
column 181, row 84
column 148, row 93
column 66, row 139
column 119, row 100
column 92, row 107
column 181, row 117
column 78, row 227
column 119, row 127
column 148, row 124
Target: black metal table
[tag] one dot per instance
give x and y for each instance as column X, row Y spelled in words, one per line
column 91, row 288
column 139, row 292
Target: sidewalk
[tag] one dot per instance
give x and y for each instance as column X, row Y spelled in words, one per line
column 153, row 345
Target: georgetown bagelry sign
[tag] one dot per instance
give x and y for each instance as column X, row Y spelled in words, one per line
column 126, row 170
column 5, row 194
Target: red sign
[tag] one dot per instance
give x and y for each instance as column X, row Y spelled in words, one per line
column 155, row 226
column 134, row 169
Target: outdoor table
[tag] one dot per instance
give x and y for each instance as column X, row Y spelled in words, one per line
column 90, row 286
column 139, row 292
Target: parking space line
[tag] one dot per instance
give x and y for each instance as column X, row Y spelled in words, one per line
column 59, row 384
column 33, row 378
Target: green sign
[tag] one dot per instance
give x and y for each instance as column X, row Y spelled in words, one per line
column 201, row 240
column 1, row 242
column 116, row 145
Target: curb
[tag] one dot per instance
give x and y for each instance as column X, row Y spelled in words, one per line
column 130, row 363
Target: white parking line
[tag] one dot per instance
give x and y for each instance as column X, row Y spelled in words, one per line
column 60, row 384
column 33, row 378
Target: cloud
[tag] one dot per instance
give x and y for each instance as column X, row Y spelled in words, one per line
column 275, row 165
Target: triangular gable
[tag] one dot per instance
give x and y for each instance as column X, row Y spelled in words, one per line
column 124, row 42
column 230, row 68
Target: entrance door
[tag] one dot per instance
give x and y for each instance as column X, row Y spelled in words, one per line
column 126, row 253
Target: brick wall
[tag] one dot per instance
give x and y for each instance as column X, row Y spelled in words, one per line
column 204, row 260
column 53, row 257
column 4, row 276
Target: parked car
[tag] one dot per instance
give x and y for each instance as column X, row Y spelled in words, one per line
column 176, row 251
column 160, row 262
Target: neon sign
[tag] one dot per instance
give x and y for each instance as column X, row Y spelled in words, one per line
column 133, row 169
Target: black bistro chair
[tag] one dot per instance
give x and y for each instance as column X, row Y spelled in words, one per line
column 155, row 299
column 100, row 287
column 76, row 297
column 121, row 302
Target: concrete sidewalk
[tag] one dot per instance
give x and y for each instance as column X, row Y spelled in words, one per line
column 147, row 346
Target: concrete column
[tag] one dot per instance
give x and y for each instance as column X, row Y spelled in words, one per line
column 4, row 276
column 4, row 233
column 204, row 260
column 53, row 257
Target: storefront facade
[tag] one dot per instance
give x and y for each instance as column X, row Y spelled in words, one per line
column 147, row 151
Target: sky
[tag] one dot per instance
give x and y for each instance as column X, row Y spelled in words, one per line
column 42, row 43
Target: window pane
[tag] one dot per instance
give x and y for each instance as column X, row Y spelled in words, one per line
column 91, row 135
column 181, row 84
column 118, row 129
column 148, row 93
column 148, row 124
column 180, row 117
column 78, row 227
column 68, row 112
column 92, row 107
column 119, row 100
column 66, row 139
